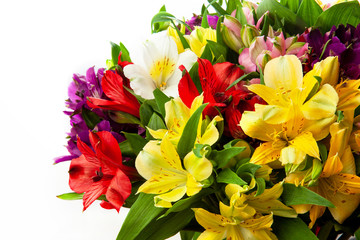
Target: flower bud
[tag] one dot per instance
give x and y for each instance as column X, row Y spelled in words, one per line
column 231, row 33
column 248, row 33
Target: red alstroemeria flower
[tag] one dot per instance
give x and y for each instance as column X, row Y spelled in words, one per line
column 121, row 99
column 101, row 171
column 214, row 81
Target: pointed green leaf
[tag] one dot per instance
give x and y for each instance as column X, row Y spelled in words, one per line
column 161, row 99
column 342, row 13
column 156, row 122
column 293, row 195
column 233, row 5
column 293, row 5
column 136, row 221
column 188, row 137
column 309, row 11
column 71, row 196
column 294, row 227
column 248, row 167
column 115, row 51
column 243, row 78
column 217, row 49
column 228, row 176
column 91, row 119
column 240, row 15
column 125, row 55
column 204, row 21
column 136, row 141
column 260, row 184
column 224, row 156
column 166, row 227
column 217, row 7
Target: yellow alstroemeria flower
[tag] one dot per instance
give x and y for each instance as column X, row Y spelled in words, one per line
column 265, row 203
column 198, row 39
column 237, row 221
column 161, row 166
column 338, row 182
column 176, row 117
column 294, row 120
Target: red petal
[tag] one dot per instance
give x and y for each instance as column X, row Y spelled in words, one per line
column 122, row 63
column 106, row 147
column 81, row 173
column 187, row 89
column 233, row 117
column 119, row 190
column 87, row 152
column 95, row 191
column 226, row 73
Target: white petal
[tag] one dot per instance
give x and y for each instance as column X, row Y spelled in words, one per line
column 187, row 58
column 140, row 82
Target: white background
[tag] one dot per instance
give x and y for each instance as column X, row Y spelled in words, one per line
column 42, row 43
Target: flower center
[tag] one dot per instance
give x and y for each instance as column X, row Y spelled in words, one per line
column 161, row 71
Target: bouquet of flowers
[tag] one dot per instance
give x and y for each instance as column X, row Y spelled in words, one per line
column 242, row 122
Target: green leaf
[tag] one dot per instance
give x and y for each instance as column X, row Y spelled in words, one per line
column 217, row 7
column 125, row 56
column 71, row 196
column 233, row 5
column 224, row 156
column 219, row 38
column 206, row 54
column 136, row 221
column 228, row 176
column 181, row 36
column 309, row 11
column 240, row 15
column 186, row 235
column 260, row 184
column 166, row 227
column 194, row 74
column 357, row 234
column 293, row 195
column 186, row 203
column 156, row 122
column 161, row 99
column 248, row 167
column 91, row 119
column 204, row 21
column 293, row 5
column 126, row 149
column 322, row 151
column 294, row 227
column 146, row 111
column 188, row 137
column 293, row 23
column 265, row 27
column 115, row 51
column 342, row 13
column 136, row 141
column 217, row 49
column 161, row 21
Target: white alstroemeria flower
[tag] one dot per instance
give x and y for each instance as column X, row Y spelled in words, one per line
column 160, row 68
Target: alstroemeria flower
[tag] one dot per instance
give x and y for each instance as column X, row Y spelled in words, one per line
column 160, row 67
column 294, row 120
column 198, row 39
column 101, row 172
column 121, row 99
column 262, row 51
column 237, row 221
column 161, row 166
column 338, row 181
column 176, row 117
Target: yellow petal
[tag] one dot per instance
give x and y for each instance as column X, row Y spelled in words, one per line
column 263, row 222
column 157, row 134
column 302, row 208
column 164, row 200
column 346, row 183
column 349, row 94
column 315, row 212
column 332, row 166
column 328, row 70
column 210, row 221
column 265, row 153
column 208, row 235
column 319, row 128
column 264, row 172
column 211, row 134
column 307, row 144
column 272, row 114
column 200, row 168
column 176, row 111
column 348, row 162
column 253, row 126
column 283, row 73
column 292, row 155
column 268, row 94
column 163, row 183
column 345, row 204
column 170, row 155
column 150, row 162
column 192, row 186
column 322, row 104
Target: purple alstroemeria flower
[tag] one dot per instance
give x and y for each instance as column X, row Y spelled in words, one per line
column 340, row 41
column 196, row 21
